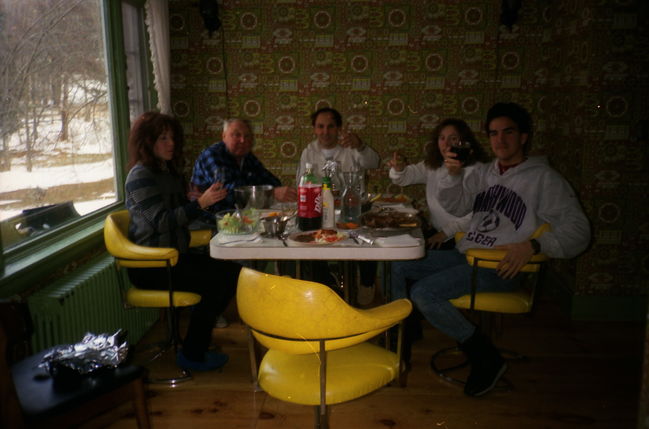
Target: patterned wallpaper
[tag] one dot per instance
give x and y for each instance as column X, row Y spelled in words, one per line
column 396, row 68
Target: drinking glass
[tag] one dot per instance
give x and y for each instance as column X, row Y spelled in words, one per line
column 462, row 150
column 218, row 177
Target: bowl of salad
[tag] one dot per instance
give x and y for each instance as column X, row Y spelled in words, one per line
column 237, row 223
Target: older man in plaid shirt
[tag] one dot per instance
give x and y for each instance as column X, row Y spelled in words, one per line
column 232, row 163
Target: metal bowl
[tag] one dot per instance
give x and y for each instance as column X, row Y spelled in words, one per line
column 256, row 197
column 274, row 226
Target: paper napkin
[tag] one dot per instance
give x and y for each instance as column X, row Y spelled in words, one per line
column 232, row 239
column 403, row 240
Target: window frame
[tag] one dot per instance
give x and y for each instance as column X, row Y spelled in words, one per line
column 25, row 265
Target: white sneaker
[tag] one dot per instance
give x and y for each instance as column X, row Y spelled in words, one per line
column 365, row 295
column 221, row 323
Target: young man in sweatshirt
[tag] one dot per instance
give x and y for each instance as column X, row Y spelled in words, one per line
column 510, row 198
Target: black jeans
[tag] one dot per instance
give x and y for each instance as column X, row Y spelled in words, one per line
column 367, row 270
column 214, row 280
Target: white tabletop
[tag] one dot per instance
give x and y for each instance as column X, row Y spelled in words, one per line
column 346, row 250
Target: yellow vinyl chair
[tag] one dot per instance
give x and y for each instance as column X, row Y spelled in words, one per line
column 490, row 304
column 318, row 352
column 130, row 255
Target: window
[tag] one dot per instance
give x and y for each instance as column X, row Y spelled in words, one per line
column 65, row 111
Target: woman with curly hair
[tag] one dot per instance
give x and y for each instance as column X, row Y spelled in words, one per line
column 160, row 215
column 443, row 225
column 447, row 133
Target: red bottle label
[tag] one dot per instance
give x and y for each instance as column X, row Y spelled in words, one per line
column 309, row 203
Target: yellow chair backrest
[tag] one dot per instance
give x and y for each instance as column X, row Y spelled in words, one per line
column 129, row 254
column 286, row 314
column 200, row 237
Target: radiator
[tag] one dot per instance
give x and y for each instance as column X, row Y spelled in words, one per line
column 87, row 300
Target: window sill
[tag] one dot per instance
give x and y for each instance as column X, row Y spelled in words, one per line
column 30, row 266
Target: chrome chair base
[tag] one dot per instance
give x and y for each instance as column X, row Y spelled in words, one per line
column 165, row 350
column 447, row 372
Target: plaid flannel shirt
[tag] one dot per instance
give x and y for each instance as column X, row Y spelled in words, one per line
column 232, row 175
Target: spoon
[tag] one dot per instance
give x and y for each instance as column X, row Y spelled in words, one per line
column 238, row 210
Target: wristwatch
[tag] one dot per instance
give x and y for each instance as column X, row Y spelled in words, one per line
column 536, row 246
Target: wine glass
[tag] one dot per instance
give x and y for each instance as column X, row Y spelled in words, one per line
column 462, row 150
column 218, row 178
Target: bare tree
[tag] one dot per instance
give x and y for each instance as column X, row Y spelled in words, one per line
column 50, row 60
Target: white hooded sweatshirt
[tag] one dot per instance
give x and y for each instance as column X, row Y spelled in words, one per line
column 509, row 207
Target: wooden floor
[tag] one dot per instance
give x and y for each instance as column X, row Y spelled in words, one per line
column 577, row 375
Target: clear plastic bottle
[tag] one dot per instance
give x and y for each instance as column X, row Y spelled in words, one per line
column 309, row 202
column 328, row 205
column 351, row 199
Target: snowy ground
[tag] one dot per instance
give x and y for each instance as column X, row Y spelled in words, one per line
column 85, row 138
column 19, row 178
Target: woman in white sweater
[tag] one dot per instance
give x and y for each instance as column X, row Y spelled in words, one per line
column 444, row 225
column 428, row 172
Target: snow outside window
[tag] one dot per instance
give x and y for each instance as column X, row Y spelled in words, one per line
column 57, row 157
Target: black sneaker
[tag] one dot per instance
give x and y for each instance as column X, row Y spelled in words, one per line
column 484, row 376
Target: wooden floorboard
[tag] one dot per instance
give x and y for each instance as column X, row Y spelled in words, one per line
column 576, row 375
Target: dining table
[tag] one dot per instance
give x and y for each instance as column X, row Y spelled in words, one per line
column 363, row 244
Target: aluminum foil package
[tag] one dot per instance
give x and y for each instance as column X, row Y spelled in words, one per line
column 92, row 353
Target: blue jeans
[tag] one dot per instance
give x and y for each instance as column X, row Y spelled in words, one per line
column 440, row 276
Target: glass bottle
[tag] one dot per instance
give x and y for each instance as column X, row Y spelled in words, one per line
column 351, row 199
column 328, row 205
column 309, row 201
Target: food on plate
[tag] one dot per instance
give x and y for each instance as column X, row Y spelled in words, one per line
column 319, row 236
column 389, row 218
column 272, row 214
column 347, row 225
column 400, row 198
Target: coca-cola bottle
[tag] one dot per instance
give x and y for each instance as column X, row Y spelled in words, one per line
column 309, row 201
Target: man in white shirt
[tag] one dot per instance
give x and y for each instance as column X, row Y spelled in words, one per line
column 349, row 152
column 332, row 143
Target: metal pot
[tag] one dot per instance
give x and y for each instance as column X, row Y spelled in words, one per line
column 256, row 197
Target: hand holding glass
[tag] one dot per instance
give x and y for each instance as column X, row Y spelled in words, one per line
column 217, row 176
column 462, row 150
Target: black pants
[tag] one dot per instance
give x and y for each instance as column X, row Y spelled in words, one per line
column 367, row 270
column 214, row 280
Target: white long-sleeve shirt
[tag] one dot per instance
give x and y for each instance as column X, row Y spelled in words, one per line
column 440, row 219
column 508, row 208
column 345, row 156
